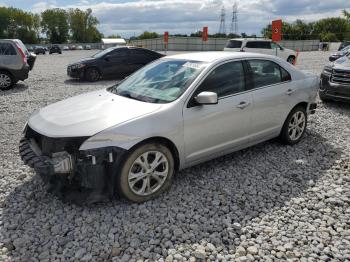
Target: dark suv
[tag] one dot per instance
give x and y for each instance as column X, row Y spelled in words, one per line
column 39, row 50
column 113, row 62
column 15, row 62
column 55, row 49
column 335, row 81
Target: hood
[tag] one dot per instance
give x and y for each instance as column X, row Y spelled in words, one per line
column 342, row 63
column 87, row 114
column 84, row 60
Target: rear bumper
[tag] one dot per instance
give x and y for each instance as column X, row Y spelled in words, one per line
column 21, row 74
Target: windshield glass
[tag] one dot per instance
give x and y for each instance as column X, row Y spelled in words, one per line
column 162, row 81
column 345, row 49
column 103, row 52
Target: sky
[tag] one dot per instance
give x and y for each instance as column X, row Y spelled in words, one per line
column 128, row 18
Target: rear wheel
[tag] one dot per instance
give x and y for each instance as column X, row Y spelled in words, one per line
column 146, row 173
column 92, row 74
column 6, row 80
column 294, row 127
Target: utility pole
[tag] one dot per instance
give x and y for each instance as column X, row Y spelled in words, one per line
column 222, row 28
column 234, row 22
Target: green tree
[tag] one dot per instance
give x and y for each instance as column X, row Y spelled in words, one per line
column 148, row 35
column 54, row 24
column 329, row 26
column 83, row 26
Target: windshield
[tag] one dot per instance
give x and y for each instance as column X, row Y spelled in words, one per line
column 234, row 44
column 103, row 52
column 345, row 49
column 162, row 81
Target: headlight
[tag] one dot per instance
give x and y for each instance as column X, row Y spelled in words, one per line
column 76, row 66
column 327, row 71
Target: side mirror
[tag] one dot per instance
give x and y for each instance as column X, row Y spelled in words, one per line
column 207, row 98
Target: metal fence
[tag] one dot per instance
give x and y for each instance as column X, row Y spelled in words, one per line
column 213, row 44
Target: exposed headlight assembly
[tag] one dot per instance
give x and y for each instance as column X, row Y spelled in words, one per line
column 77, row 66
column 327, row 70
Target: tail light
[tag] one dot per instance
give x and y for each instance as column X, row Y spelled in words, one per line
column 23, row 55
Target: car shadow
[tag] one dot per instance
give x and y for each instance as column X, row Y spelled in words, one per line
column 337, row 106
column 235, row 188
column 76, row 81
column 17, row 88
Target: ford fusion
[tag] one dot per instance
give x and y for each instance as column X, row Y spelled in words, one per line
column 174, row 113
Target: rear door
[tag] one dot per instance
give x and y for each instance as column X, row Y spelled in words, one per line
column 212, row 130
column 139, row 58
column 9, row 56
column 271, row 92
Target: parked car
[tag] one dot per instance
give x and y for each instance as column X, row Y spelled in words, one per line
column 335, row 81
column 80, row 47
column 261, row 46
column 73, row 47
column 88, row 47
column 30, row 49
column 15, row 62
column 343, row 45
column 173, row 113
column 343, row 52
column 55, row 49
column 65, row 48
column 112, row 62
column 39, row 50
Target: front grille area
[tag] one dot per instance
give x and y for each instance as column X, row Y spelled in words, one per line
column 341, row 77
column 49, row 145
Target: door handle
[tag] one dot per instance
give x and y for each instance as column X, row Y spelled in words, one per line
column 243, row 104
column 290, row 91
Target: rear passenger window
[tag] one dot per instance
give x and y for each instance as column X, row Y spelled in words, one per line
column 7, row 49
column 234, row 44
column 267, row 73
column 259, row 44
column 225, row 80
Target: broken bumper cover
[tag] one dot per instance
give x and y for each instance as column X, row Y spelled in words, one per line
column 93, row 170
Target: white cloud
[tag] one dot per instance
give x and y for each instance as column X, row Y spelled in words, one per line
column 185, row 16
column 42, row 6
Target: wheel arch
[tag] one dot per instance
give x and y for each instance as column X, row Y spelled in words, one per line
column 164, row 141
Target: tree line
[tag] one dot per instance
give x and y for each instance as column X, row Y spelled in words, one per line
column 54, row 25
column 333, row 29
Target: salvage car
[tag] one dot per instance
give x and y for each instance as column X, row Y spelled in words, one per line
column 39, row 50
column 345, row 51
column 55, row 49
column 117, row 62
column 261, row 46
column 15, row 62
column 174, row 113
column 335, row 81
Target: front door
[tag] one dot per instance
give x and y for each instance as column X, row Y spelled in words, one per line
column 115, row 64
column 212, row 130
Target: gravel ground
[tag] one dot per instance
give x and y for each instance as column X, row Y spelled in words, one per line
column 268, row 203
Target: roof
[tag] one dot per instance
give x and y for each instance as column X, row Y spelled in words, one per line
column 113, row 41
column 218, row 55
column 251, row 39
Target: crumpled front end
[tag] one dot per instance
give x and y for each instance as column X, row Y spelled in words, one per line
column 73, row 175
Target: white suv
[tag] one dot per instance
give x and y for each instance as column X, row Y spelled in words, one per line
column 261, row 46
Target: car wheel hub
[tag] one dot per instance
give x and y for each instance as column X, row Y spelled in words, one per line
column 296, row 126
column 5, row 80
column 148, row 173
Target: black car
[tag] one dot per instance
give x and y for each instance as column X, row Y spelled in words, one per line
column 39, row 50
column 335, row 81
column 55, row 49
column 113, row 62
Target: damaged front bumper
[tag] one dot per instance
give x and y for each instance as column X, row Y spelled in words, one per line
column 70, row 172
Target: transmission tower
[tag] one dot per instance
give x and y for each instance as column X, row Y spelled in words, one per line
column 234, row 22
column 222, row 28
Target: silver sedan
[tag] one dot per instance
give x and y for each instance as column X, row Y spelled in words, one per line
column 174, row 113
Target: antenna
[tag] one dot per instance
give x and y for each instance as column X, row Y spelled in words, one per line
column 234, row 22
column 222, row 29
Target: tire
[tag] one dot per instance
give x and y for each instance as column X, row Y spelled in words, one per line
column 292, row 133
column 6, row 80
column 150, row 185
column 291, row 59
column 92, row 74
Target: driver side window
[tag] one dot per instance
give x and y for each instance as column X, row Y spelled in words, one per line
column 225, row 80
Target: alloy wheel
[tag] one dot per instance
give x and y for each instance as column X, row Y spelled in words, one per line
column 148, row 173
column 5, row 81
column 296, row 125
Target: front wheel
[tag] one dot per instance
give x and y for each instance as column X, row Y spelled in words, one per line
column 6, row 80
column 294, row 127
column 146, row 173
column 92, row 75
